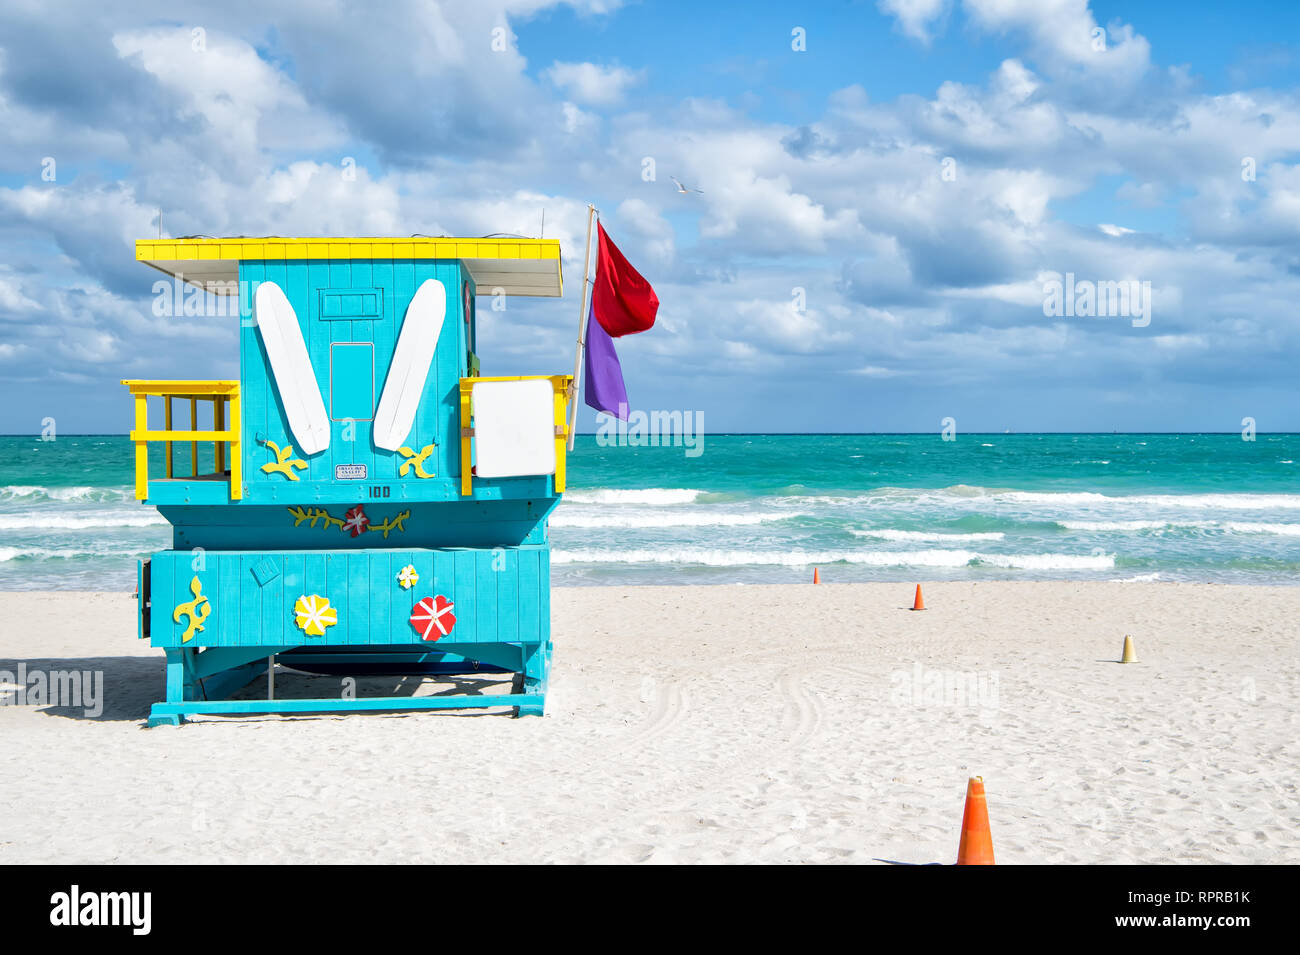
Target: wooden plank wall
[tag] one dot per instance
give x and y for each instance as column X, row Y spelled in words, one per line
column 500, row 595
column 302, row 281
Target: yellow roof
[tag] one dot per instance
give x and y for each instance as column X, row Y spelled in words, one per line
column 518, row 266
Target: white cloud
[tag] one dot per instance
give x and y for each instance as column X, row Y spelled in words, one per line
column 875, row 371
column 12, row 296
column 1027, row 294
column 652, row 231
column 908, row 275
column 574, row 118
column 768, row 210
column 245, row 103
column 1064, row 33
column 593, row 84
column 914, row 16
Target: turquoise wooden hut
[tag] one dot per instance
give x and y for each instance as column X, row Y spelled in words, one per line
column 361, row 500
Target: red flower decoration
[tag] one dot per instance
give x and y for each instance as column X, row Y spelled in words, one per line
column 356, row 521
column 432, row 618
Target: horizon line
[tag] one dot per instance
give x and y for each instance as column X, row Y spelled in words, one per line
column 761, row 434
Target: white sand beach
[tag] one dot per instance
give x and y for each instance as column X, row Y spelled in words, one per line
column 709, row 724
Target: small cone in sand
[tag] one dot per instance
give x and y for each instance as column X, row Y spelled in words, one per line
column 919, row 603
column 1130, row 654
column 817, row 578
column 976, row 846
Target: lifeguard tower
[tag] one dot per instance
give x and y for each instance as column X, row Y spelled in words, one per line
column 361, row 501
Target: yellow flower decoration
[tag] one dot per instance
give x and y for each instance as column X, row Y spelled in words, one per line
column 408, row 578
column 313, row 613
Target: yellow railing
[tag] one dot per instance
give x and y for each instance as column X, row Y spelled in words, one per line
column 224, row 396
column 560, row 389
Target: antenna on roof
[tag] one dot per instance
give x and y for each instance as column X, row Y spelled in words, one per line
column 160, row 222
column 543, row 232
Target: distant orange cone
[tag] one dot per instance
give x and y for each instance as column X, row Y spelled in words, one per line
column 919, row 603
column 817, row 579
column 976, row 846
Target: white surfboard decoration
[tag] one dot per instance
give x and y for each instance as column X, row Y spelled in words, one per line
column 291, row 369
column 416, row 343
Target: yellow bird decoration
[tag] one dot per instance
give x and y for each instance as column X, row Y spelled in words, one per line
column 415, row 461
column 282, row 463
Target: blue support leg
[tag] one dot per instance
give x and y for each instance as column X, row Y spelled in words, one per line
column 200, row 682
column 180, row 686
column 194, row 679
column 537, row 672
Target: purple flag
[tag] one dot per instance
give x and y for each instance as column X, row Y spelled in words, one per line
column 605, row 389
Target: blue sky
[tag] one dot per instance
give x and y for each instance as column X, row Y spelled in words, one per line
column 921, row 171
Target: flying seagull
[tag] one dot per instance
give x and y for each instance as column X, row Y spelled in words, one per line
column 684, row 189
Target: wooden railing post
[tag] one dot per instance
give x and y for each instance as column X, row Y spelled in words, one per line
column 236, row 453
column 167, row 425
column 194, row 445
column 141, row 448
column 560, row 385
column 219, row 424
column 466, row 455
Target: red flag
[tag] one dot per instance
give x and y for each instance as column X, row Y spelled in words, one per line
column 622, row 300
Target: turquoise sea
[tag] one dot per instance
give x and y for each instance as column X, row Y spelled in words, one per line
column 768, row 508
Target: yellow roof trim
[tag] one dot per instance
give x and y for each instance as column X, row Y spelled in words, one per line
column 516, row 266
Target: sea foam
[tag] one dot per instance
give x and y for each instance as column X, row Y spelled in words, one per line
column 44, row 520
column 564, row 517
column 721, row 557
column 645, row 495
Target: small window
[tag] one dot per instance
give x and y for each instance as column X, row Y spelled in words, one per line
column 351, row 304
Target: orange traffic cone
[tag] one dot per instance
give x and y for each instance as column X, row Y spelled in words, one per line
column 976, row 846
column 817, row 579
column 919, row 603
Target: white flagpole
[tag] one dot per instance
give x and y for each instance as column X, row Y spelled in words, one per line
column 582, row 331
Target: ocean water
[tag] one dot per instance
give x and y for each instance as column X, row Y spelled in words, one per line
column 768, row 508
